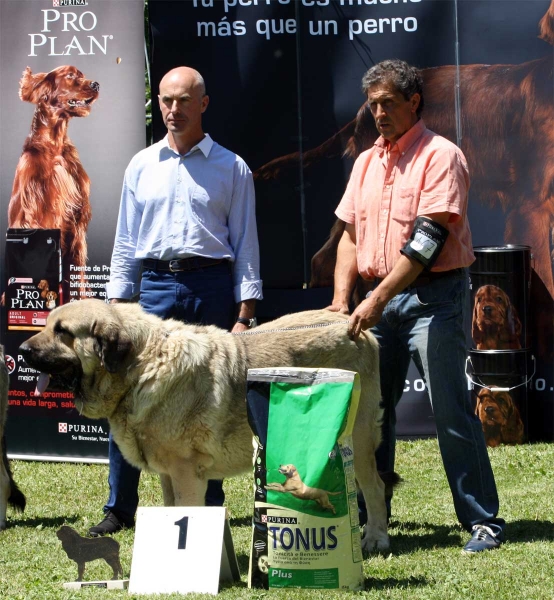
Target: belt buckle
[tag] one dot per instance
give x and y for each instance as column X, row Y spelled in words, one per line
column 174, row 266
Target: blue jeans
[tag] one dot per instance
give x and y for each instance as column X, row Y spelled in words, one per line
column 204, row 296
column 430, row 324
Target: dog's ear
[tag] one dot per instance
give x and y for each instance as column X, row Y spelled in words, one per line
column 477, row 403
column 31, row 86
column 546, row 26
column 512, row 432
column 365, row 133
column 113, row 344
column 508, row 407
column 513, row 319
column 475, row 331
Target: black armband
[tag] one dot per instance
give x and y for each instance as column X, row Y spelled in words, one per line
column 426, row 242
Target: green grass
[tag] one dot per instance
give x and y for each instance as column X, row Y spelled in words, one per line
column 425, row 560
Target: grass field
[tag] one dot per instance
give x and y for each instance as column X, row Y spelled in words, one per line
column 425, row 560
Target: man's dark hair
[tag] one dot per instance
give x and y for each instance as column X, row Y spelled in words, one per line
column 405, row 78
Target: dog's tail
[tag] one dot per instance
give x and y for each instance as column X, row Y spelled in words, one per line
column 391, row 480
column 16, row 497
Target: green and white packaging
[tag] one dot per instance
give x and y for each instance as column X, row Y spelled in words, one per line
column 306, row 530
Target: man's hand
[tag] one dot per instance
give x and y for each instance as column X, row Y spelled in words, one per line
column 239, row 328
column 367, row 314
column 340, row 307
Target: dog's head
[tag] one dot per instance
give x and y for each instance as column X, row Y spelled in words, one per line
column 288, row 471
column 500, row 417
column 495, row 321
column 63, row 90
column 43, row 285
column 66, row 533
column 83, row 349
column 51, row 295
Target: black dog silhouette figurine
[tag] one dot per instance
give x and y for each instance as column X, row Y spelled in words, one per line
column 83, row 550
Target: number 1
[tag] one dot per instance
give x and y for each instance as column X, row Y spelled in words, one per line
column 183, row 525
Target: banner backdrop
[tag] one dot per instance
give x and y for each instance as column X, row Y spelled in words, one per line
column 70, row 68
column 284, row 83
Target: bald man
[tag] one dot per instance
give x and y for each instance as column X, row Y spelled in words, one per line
column 186, row 244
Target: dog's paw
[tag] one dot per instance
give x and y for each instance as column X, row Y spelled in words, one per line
column 376, row 542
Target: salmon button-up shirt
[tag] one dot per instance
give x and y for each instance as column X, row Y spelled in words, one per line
column 421, row 174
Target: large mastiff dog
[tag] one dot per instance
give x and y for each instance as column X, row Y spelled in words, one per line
column 174, row 394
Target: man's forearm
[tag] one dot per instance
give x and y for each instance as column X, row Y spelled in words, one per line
column 404, row 272
column 247, row 309
column 346, row 268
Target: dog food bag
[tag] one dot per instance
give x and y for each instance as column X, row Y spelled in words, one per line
column 33, row 272
column 306, row 531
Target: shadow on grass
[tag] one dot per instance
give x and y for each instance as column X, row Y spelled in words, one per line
column 391, row 583
column 430, row 535
column 45, row 522
column 426, row 535
column 244, row 562
column 529, row 531
column 241, row 522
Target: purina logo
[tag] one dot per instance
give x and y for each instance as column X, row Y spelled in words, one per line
column 68, row 428
column 280, row 520
column 69, row 3
column 10, row 363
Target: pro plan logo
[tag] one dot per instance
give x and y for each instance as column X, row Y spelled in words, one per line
column 69, row 3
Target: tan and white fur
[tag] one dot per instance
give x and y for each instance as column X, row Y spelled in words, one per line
column 174, row 394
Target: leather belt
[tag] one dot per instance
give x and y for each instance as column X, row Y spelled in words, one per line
column 428, row 277
column 194, row 263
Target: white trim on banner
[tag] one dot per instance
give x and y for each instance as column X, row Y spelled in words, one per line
column 71, row 459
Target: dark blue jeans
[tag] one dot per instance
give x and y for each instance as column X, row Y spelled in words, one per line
column 428, row 324
column 204, row 296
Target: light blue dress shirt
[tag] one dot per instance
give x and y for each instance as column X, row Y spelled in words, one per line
column 176, row 206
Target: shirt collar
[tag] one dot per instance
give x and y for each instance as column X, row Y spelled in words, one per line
column 403, row 143
column 205, row 146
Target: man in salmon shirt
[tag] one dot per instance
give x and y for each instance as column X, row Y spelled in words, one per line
column 405, row 209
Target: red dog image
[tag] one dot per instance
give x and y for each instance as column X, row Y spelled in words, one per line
column 44, row 287
column 51, row 188
column 508, row 130
column 500, row 417
column 51, row 297
column 495, row 323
